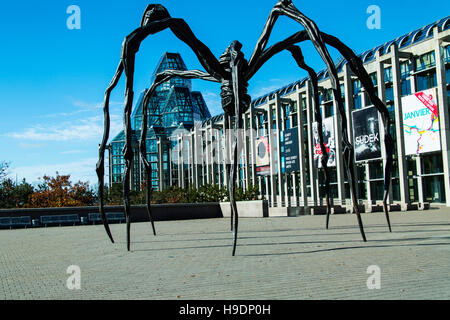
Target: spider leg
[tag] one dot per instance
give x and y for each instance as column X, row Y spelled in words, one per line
column 286, row 8
column 298, row 56
column 182, row 31
column 232, row 184
column 235, row 66
column 278, row 47
column 100, row 167
column 129, row 49
column 147, row 165
column 358, row 69
column 129, row 63
column 160, row 78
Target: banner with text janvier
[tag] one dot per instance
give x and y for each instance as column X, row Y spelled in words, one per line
column 421, row 126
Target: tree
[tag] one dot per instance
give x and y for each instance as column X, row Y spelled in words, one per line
column 13, row 195
column 59, row 192
column 3, row 170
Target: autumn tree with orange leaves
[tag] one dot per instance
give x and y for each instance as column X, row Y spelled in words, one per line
column 57, row 192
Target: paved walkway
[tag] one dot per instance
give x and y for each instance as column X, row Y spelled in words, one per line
column 277, row 258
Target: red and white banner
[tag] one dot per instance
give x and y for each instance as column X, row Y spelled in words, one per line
column 428, row 102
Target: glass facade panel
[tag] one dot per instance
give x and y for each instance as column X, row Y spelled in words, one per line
column 329, row 110
column 389, row 93
column 433, row 189
column 432, row 164
column 426, row 80
column 376, row 170
column 425, row 61
column 373, row 77
column 377, row 190
column 406, row 87
column 388, row 74
column 405, row 70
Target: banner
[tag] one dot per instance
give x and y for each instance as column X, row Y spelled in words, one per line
column 329, row 140
column 421, row 127
column 366, row 134
column 290, row 151
column 262, row 157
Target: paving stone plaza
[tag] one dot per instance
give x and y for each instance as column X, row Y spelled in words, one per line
column 291, row 258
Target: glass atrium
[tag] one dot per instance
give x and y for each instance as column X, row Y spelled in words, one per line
column 174, row 106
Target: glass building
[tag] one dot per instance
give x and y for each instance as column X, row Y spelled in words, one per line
column 173, row 108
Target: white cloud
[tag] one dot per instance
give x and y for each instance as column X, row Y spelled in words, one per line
column 94, row 106
column 83, row 170
column 28, row 146
column 83, row 107
column 72, row 152
column 63, row 114
column 87, row 105
column 79, row 130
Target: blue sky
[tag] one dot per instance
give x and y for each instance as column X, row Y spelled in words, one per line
column 52, row 79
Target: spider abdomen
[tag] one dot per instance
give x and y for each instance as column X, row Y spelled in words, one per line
column 233, row 55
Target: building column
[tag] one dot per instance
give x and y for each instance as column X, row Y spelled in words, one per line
column 245, row 155
column 189, row 157
column 348, row 99
column 208, row 153
column 279, row 128
column 212, row 143
column 401, row 158
column 382, row 96
column 303, row 162
column 417, row 158
column 443, row 112
column 273, row 155
column 366, row 163
column 202, row 157
column 110, row 165
column 310, row 119
column 180, row 162
column 285, row 175
column 217, row 159
column 252, row 147
column 160, row 164
column 196, row 158
column 339, row 158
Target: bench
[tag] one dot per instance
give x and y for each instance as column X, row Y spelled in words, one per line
column 11, row 222
column 110, row 217
column 64, row 219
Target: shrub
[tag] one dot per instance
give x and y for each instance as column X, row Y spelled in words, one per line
column 174, row 194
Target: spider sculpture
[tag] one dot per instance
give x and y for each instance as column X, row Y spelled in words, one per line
column 233, row 71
